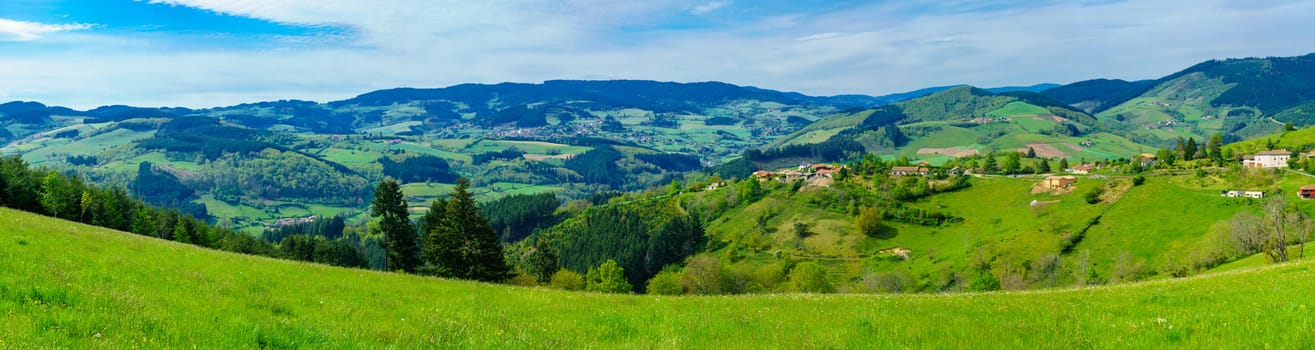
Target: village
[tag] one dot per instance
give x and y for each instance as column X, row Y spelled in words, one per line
column 824, row 175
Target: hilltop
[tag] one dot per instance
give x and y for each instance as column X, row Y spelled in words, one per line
column 963, row 121
column 68, row 285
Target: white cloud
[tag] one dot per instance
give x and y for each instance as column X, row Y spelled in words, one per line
column 871, row 49
column 709, row 7
column 11, row 30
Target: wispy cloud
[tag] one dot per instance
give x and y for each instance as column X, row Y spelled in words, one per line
column 709, row 7
column 11, row 30
column 821, row 48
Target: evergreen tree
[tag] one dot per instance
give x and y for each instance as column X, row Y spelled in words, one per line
column 1043, row 167
column 1189, row 149
column 180, row 233
column 990, row 165
column 463, row 244
column 1031, row 153
column 542, row 261
column 400, row 244
column 144, row 222
column 1063, row 164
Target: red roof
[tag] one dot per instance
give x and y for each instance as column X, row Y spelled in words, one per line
column 1307, row 188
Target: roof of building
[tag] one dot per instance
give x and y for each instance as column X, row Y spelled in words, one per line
column 1307, row 188
column 1065, row 177
column 1084, row 167
column 1277, row 152
column 908, row 168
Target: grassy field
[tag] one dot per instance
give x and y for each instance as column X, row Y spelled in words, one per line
column 68, row 285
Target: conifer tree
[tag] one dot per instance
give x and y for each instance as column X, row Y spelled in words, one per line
column 400, row 237
column 1044, row 167
column 1063, row 164
column 463, row 244
column 144, row 222
column 180, row 233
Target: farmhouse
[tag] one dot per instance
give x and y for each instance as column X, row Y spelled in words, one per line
column 1058, row 182
column 763, row 175
column 1247, row 194
column 909, row 170
column 1146, row 159
column 1082, row 169
column 1306, row 192
column 1268, row 159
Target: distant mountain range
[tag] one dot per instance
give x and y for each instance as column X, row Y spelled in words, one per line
column 584, row 136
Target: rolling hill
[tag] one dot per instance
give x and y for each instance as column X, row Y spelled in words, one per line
column 1240, row 98
column 963, row 121
column 68, row 285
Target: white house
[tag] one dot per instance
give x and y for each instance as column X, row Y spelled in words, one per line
column 1268, row 159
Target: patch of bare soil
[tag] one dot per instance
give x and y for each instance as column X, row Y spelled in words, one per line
column 1045, row 150
column 949, row 151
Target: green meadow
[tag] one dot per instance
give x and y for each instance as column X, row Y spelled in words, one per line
column 65, row 285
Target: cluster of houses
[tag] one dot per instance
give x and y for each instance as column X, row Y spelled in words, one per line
column 293, row 221
column 805, row 172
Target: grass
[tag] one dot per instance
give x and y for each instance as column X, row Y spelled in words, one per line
column 1018, row 108
column 66, row 285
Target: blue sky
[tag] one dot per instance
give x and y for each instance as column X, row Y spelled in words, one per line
column 204, row 53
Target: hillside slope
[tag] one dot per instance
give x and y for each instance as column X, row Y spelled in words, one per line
column 68, row 285
column 963, row 121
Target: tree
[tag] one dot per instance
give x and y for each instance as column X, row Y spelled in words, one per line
column 990, row 165
column 608, row 278
column 1213, row 147
column 1011, row 164
column 809, row 277
column 542, row 261
column 180, row 233
column 801, row 230
column 84, row 203
column 1043, row 167
column 1031, row 153
column 868, row 221
column 59, row 197
column 1189, row 149
column 1278, row 221
column 1288, row 126
column 463, row 244
column 143, row 223
column 1063, row 164
column 400, row 237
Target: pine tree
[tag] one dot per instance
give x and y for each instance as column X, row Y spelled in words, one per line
column 144, row 222
column 461, row 243
column 1031, row 153
column 400, row 237
column 1063, row 164
column 542, row 261
column 1189, row 149
column 180, row 233
column 1043, row 167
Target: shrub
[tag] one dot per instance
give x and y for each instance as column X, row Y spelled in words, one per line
column 666, row 282
column 809, row 277
column 1093, row 196
column 1138, row 180
column 567, row 280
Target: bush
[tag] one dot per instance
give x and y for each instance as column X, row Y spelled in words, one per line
column 1138, row 180
column 567, row 280
column 666, row 282
column 1093, row 197
column 809, row 277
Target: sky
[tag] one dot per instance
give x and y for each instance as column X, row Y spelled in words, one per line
column 207, row 53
